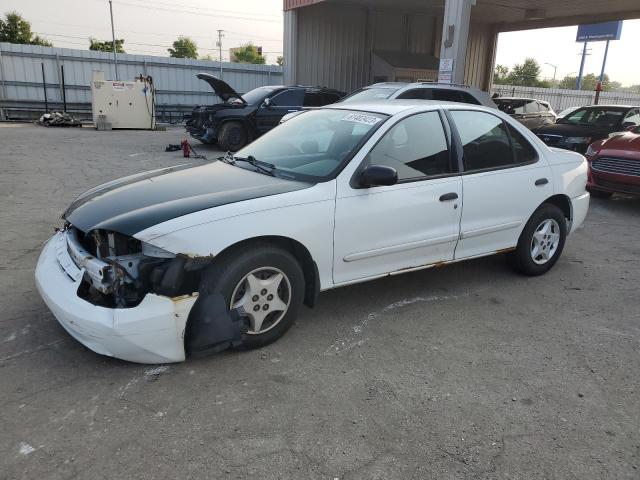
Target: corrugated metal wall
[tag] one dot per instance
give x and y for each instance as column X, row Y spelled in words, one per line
column 332, row 46
column 481, row 48
column 174, row 78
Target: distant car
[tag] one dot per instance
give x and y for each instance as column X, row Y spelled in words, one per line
column 421, row 91
column 528, row 111
column 585, row 125
column 242, row 118
column 614, row 165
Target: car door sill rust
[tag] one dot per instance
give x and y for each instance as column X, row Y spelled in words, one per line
column 488, row 230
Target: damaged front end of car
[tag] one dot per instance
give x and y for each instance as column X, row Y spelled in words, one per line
column 119, row 271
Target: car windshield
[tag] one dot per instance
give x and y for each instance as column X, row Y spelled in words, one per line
column 374, row 93
column 257, row 95
column 314, row 145
column 595, row 117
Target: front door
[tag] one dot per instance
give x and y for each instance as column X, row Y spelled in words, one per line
column 410, row 224
column 505, row 180
column 270, row 113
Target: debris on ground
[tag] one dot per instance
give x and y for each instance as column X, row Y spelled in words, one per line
column 57, row 119
column 173, row 147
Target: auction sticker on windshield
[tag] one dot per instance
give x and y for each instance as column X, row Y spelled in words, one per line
column 361, row 118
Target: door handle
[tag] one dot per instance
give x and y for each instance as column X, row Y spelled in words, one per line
column 448, row 196
column 541, row 181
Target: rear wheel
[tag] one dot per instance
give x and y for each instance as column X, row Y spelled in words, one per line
column 541, row 241
column 266, row 286
column 232, row 136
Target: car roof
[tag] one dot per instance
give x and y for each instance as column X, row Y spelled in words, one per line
column 518, row 98
column 620, row 107
column 399, row 85
column 394, row 106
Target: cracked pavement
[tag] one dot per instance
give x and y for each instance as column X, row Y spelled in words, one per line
column 463, row 372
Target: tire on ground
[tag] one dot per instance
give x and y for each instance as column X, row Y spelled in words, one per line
column 521, row 259
column 232, row 136
column 229, row 271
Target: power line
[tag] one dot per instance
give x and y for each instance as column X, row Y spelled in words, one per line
column 200, row 9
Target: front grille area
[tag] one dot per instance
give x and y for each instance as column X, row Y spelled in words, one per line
column 102, row 244
column 618, row 187
column 618, row 166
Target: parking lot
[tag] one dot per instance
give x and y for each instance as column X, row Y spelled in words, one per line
column 468, row 371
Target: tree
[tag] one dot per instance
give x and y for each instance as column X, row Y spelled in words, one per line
column 184, row 47
column 107, row 45
column 280, row 60
column 15, row 29
column 500, row 74
column 526, row 74
column 589, row 82
column 249, row 53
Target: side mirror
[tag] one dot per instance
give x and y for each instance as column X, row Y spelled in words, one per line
column 266, row 103
column 629, row 126
column 378, row 176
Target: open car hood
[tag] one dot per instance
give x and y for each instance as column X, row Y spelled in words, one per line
column 221, row 88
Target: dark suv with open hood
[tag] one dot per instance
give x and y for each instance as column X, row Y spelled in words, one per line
column 241, row 118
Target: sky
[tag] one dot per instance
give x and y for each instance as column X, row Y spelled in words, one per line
column 150, row 26
column 558, row 46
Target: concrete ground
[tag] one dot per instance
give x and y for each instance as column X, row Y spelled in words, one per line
column 468, row 371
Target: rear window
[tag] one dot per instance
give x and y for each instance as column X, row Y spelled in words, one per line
column 374, row 93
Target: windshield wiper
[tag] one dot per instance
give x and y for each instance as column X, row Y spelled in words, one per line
column 262, row 167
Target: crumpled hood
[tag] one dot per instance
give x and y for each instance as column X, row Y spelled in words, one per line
column 220, row 87
column 132, row 204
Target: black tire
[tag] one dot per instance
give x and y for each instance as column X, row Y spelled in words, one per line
column 224, row 276
column 232, row 136
column 600, row 194
column 522, row 258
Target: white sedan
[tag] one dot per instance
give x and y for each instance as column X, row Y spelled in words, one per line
column 199, row 258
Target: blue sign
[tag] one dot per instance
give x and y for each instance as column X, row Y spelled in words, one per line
column 597, row 32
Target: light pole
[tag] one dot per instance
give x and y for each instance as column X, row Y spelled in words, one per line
column 555, row 69
column 113, row 38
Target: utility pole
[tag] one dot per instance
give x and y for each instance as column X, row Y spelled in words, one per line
column 584, row 56
column 113, row 37
column 555, row 69
column 219, row 45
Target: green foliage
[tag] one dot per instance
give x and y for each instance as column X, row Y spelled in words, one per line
column 500, row 75
column 15, row 29
column 526, row 75
column 280, row 60
column 107, row 45
column 184, row 47
column 248, row 53
column 589, row 82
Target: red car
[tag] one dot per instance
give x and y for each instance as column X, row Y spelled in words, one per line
column 614, row 165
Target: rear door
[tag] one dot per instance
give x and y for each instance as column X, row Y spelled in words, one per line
column 504, row 180
column 413, row 223
column 280, row 103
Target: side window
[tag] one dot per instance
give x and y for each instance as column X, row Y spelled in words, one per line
column 468, row 98
column 416, row 147
column 484, row 139
column 330, row 98
column 531, row 107
column 415, row 94
column 632, row 117
column 313, row 99
column 543, row 107
column 288, row 98
column 446, row 95
column 522, row 149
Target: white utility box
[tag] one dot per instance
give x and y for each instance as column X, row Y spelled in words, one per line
column 123, row 104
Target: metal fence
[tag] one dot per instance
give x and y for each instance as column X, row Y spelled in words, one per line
column 22, row 87
column 561, row 99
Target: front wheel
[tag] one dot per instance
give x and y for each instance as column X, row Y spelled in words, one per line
column 232, row 136
column 541, row 242
column 265, row 285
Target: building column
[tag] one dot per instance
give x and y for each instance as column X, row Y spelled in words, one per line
column 290, row 45
column 455, row 33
